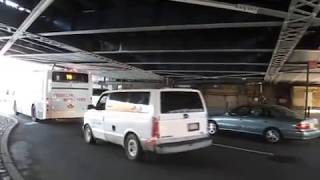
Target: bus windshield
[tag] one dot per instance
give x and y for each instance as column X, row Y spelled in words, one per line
column 70, row 77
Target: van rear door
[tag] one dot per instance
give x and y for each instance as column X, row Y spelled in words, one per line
column 182, row 114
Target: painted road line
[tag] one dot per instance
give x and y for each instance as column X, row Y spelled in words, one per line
column 30, row 123
column 244, row 149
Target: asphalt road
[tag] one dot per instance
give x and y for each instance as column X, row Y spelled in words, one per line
column 56, row 151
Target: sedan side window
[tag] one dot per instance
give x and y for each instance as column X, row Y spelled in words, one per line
column 256, row 112
column 241, row 111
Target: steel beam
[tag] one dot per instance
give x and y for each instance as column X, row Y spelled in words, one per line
column 163, row 51
column 162, row 28
column 41, row 45
column 26, row 47
column 73, row 51
column 196, row 63
column 166, row 28
column 301, row 15
column 215, row 81
column 199, row 63
column 36, row 12
column 207, row 71
column 183, row 51
column 5, row 37
column 16, row 51
column 221, row 76
column 245, row 8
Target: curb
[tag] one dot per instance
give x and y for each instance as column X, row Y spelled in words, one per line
column 7, row 160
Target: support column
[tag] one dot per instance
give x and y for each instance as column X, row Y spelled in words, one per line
column 306, row 108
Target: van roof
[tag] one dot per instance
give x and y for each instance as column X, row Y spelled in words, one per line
column 149, row 90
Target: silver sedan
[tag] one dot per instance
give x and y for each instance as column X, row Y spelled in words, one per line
column 271, row 121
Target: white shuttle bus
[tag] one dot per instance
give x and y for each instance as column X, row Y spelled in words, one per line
column 52, row 94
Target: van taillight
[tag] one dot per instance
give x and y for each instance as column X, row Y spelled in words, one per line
column 155, row 127
column 303, row 126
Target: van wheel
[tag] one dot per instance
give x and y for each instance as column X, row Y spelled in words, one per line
column 88, row 135
column 272, row 135
column 212, row 127
column 133, row 148
column 15, row 108
column 34, row 113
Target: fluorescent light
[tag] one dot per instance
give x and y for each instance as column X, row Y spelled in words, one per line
column 12, row 4
column 184, row 86
column 15, row 5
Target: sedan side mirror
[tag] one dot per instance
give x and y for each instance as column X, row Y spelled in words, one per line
column 91, row 107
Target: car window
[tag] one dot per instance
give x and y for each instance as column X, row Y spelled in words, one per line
column 98, row 92
column 180, row 102
column 139, row 97
column 241, row 111
column 101, row 105
column 267, row 113
column 256, row 112
column 119, row 97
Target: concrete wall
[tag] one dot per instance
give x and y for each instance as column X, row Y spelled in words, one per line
column 223, row 98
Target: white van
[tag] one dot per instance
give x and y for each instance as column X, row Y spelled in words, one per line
column 157, row 120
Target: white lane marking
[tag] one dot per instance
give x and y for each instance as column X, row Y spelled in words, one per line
column 243, row 149
column 30, row 123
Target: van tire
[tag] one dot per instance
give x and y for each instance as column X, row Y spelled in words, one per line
column 88, row 135
column 34, row 113
column 133, row 148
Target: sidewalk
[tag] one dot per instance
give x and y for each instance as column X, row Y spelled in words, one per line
column 4, row 124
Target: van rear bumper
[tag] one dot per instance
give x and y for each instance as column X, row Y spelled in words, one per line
column 182, row 146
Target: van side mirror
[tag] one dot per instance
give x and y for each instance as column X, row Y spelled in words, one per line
column 91, row 107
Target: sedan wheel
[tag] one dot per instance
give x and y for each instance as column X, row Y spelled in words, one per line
column 272, row 136
column 212, row 128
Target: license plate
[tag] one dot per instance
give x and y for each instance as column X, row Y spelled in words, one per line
column 193, row 126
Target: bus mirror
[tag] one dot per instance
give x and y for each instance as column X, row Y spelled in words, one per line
column 91, row 107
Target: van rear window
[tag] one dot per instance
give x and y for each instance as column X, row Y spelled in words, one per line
column 180, row 102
